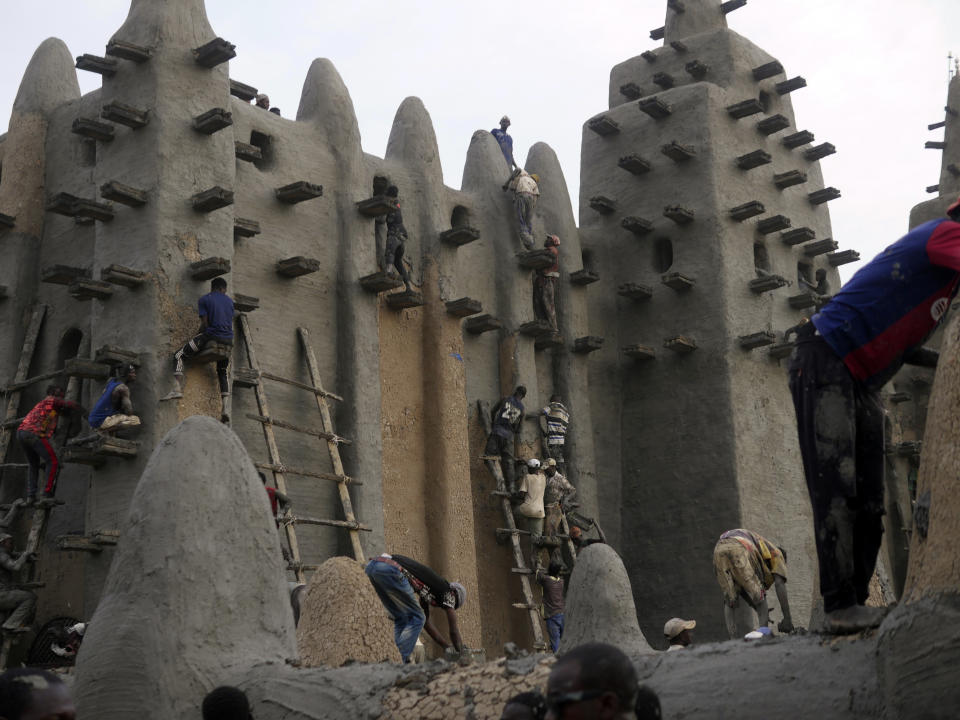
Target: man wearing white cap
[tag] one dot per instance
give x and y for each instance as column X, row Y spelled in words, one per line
column 677, row 633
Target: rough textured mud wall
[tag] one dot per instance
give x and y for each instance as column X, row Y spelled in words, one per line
column 342, row 619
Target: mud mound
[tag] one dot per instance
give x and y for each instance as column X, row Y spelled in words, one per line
column 342, row 618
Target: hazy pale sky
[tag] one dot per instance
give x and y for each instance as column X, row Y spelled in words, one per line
column 876, row 73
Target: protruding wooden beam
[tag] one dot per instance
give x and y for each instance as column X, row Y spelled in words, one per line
column 603, row 125
column 587, row 344
column 819, row 152
column 635, row 291
column 631, row 91
column 649, row 56
column 767, row 283
column 754, row 159
column 296, row 266
column 245, row 303
column 773, row 124
column 212, row 199
column 696, row 69
column 129, row 51
column 820, row 247
column 375, row 206
column 214, row 52
column 243, row 91
column 767, row 70
column 639, row 352
column 822, row 196
column 479, row 324
column 677, row 152
column 212, row 120
column 843, row 257
column 120, row 275
column 459, row 236
column 63, row 274
column 680, row 344
column 757, row 340
column 634, row 164
column 788, row 86
column 798, row 138
column 797, row 236
column 93, row 129
column 773, row 224
column 789, row 179
column 583, row 277
column 463, row 307
column 379, row 282
column 404, row 299
column 96, row 64
column 243, row 227
column 679, row 215
column 125, row 115
column 654, row 107
column 747, row 210
column 124, row 194
column 247, row 152
column 730, row 5
column 745, row 108
column 934, row 145
column 658, row 33
column 636, row 225
column 538, row 259
column 664, row 80
column 678, row 281
column 209, row 268
column 298, row 192
column 90, row 289
column 603, row 205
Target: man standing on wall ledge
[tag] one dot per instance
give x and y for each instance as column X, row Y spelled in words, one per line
column 408, row 590
column 873, row 325
column 747, row 565
column 554, row 421
column 216, row 325
column 526, row 192
column 505, row 141
column 507, row 416
column 396, row 240
column 545, row 286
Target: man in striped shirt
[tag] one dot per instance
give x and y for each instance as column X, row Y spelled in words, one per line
column 857, row 342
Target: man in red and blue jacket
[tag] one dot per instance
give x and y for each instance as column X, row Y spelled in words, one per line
column 35, row 434
column 857, row 342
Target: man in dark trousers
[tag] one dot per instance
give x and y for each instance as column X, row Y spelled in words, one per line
column 114, row 411
column 216, row 325
column 553, row 601
column 408, row 590
column 545, row 286
column 396, row 240
column 873, row 325
column 507, row 417
column 35, row 435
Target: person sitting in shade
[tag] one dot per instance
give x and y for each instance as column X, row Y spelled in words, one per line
column 747, row 565
column 678, row 631
column 113, row 410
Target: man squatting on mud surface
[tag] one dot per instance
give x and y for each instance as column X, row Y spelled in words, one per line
column 855, row 344
column 408, row 590
column 114, row 410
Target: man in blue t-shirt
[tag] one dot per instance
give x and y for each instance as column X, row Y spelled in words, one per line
column 855, row 344
column 216, row 325
column 114, row 410
column 505, row 141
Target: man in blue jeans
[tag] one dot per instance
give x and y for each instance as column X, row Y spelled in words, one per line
column 553, row 601
column 408, row 590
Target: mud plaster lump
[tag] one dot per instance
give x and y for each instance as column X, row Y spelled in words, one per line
column 342, row 618
column 600, row 604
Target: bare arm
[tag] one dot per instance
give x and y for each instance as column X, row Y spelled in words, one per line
column 780, row 584
column 120, row 398
column 454, row 629
column 8, row 563
column 11, row 515
column 203, row 325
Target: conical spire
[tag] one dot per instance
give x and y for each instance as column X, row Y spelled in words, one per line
column 326, row 103
column 692, row 17
column 412, row 138
column 176, row 23
column 49, row 81
column 484, row 167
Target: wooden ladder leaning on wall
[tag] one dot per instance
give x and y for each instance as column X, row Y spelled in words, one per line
column 513, row 535
column 41, row 512
column 253, row 376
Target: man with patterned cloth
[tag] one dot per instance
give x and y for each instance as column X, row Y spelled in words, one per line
column 747, row 564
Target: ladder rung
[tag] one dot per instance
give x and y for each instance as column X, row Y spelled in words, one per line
column 13, row 466
column 526, row 606
column 308, row 473
column 296, row 428
column 522, row 571
column 332, row 523
column 302, row 386
column 301, row 566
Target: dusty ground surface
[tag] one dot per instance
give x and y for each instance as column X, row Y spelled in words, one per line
column 342, row 619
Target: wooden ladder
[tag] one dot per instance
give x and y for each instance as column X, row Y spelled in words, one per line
column 19, row 382
column 520, row 566
column 253, row 377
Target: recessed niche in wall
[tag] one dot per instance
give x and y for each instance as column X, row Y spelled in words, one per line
column 765, row 101
column 587, row 258
column 761, row 259
column 380, row 185
column 265, row 143
column 460, row 217
column 662, row 254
